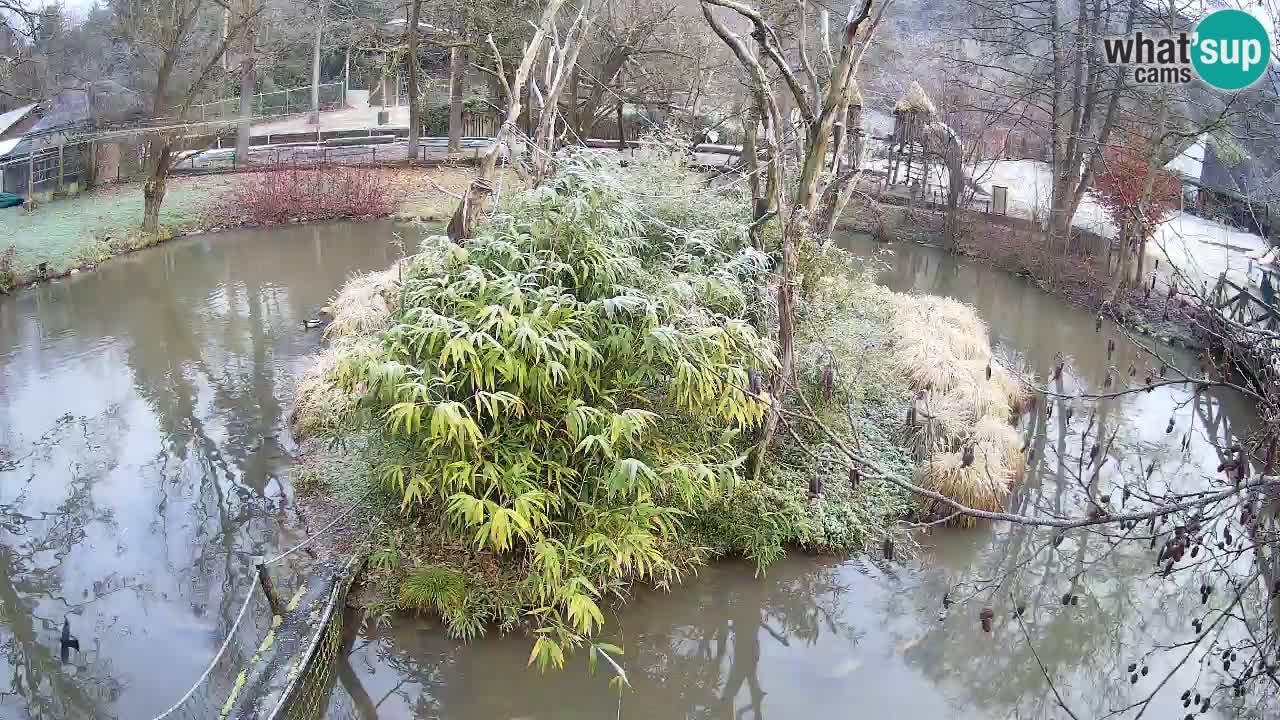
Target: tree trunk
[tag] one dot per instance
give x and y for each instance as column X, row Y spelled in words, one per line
column 1154, row 168
column 1119, row 274
column 153, row 188
column 622, row 131
column 315, row 67
column 411, row 41
column 1060, row 214
column 794, row 233
column 558, row 75
column 751, row 163
column 457, row 64
column 248, row 81
column 847, row 171
column 463, row 223
column 575, row 110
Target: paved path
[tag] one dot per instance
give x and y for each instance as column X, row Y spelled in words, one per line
column 346, row 119
column 222, row 159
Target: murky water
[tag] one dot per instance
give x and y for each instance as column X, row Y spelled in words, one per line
column 143, row 453
column 863, row 638
column 142, row 465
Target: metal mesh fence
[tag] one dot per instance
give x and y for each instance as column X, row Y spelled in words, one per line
column 279, row 102
column 48, row 170
column 281, row 666
column 315, row 694
column 210, row 698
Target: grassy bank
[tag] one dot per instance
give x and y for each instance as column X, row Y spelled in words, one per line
column 84, row 230
column 564, row 406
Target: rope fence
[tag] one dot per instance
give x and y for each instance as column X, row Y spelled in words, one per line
column 327, row 639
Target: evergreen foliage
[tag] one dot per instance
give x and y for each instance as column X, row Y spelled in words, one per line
column 563, row 396
column 563, row 405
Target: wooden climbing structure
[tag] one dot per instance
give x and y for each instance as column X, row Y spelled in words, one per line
column 908, row 153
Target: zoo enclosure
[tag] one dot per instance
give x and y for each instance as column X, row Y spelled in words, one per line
column 273, row 104
column 48, row 170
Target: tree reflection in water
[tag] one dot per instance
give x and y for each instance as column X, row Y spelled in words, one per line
column 1123, row 612
column 176, row 364
column 34, row 547
column 695, row 653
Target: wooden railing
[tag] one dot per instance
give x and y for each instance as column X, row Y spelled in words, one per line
column 1240, row 305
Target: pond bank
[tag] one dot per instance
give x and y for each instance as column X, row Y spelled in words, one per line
column 78, row 233
column 1015, row 245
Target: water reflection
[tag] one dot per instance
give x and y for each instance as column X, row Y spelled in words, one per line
column 1120, row 609
column 725, row 645
column 826, row 638
column 142, row 458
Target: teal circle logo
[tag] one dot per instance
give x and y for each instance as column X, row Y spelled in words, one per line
column 1232, row 49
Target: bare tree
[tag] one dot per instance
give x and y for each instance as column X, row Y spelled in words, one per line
column 457, row 75
column 411, row 47
column 179, row 40
column 248, row 82
column 315, row 63
column 465, row 217
column 562, row 60
column 1040, row 61
column 820, row 105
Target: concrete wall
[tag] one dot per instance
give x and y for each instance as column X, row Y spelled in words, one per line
column 358, row 99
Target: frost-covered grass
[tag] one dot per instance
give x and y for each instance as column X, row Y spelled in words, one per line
column 85, row 228
column 88, row 228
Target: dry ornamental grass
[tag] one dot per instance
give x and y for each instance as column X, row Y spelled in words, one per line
column 965, row 402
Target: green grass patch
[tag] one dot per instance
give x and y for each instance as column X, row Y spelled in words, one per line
column 90, row 227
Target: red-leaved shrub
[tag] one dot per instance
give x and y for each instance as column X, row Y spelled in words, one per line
column 310, row 193
column 1120, row 178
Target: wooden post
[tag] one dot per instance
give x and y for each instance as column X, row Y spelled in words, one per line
column 269, row 589
column 622, row 138
column 62, row 174
column 31, row 177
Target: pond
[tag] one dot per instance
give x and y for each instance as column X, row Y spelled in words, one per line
column 824, row 637
column 143, row 459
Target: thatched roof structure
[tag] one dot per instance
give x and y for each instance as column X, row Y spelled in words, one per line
column 915, row 101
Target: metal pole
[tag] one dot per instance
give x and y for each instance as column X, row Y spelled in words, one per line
column 62, row 172
column 31, row 177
